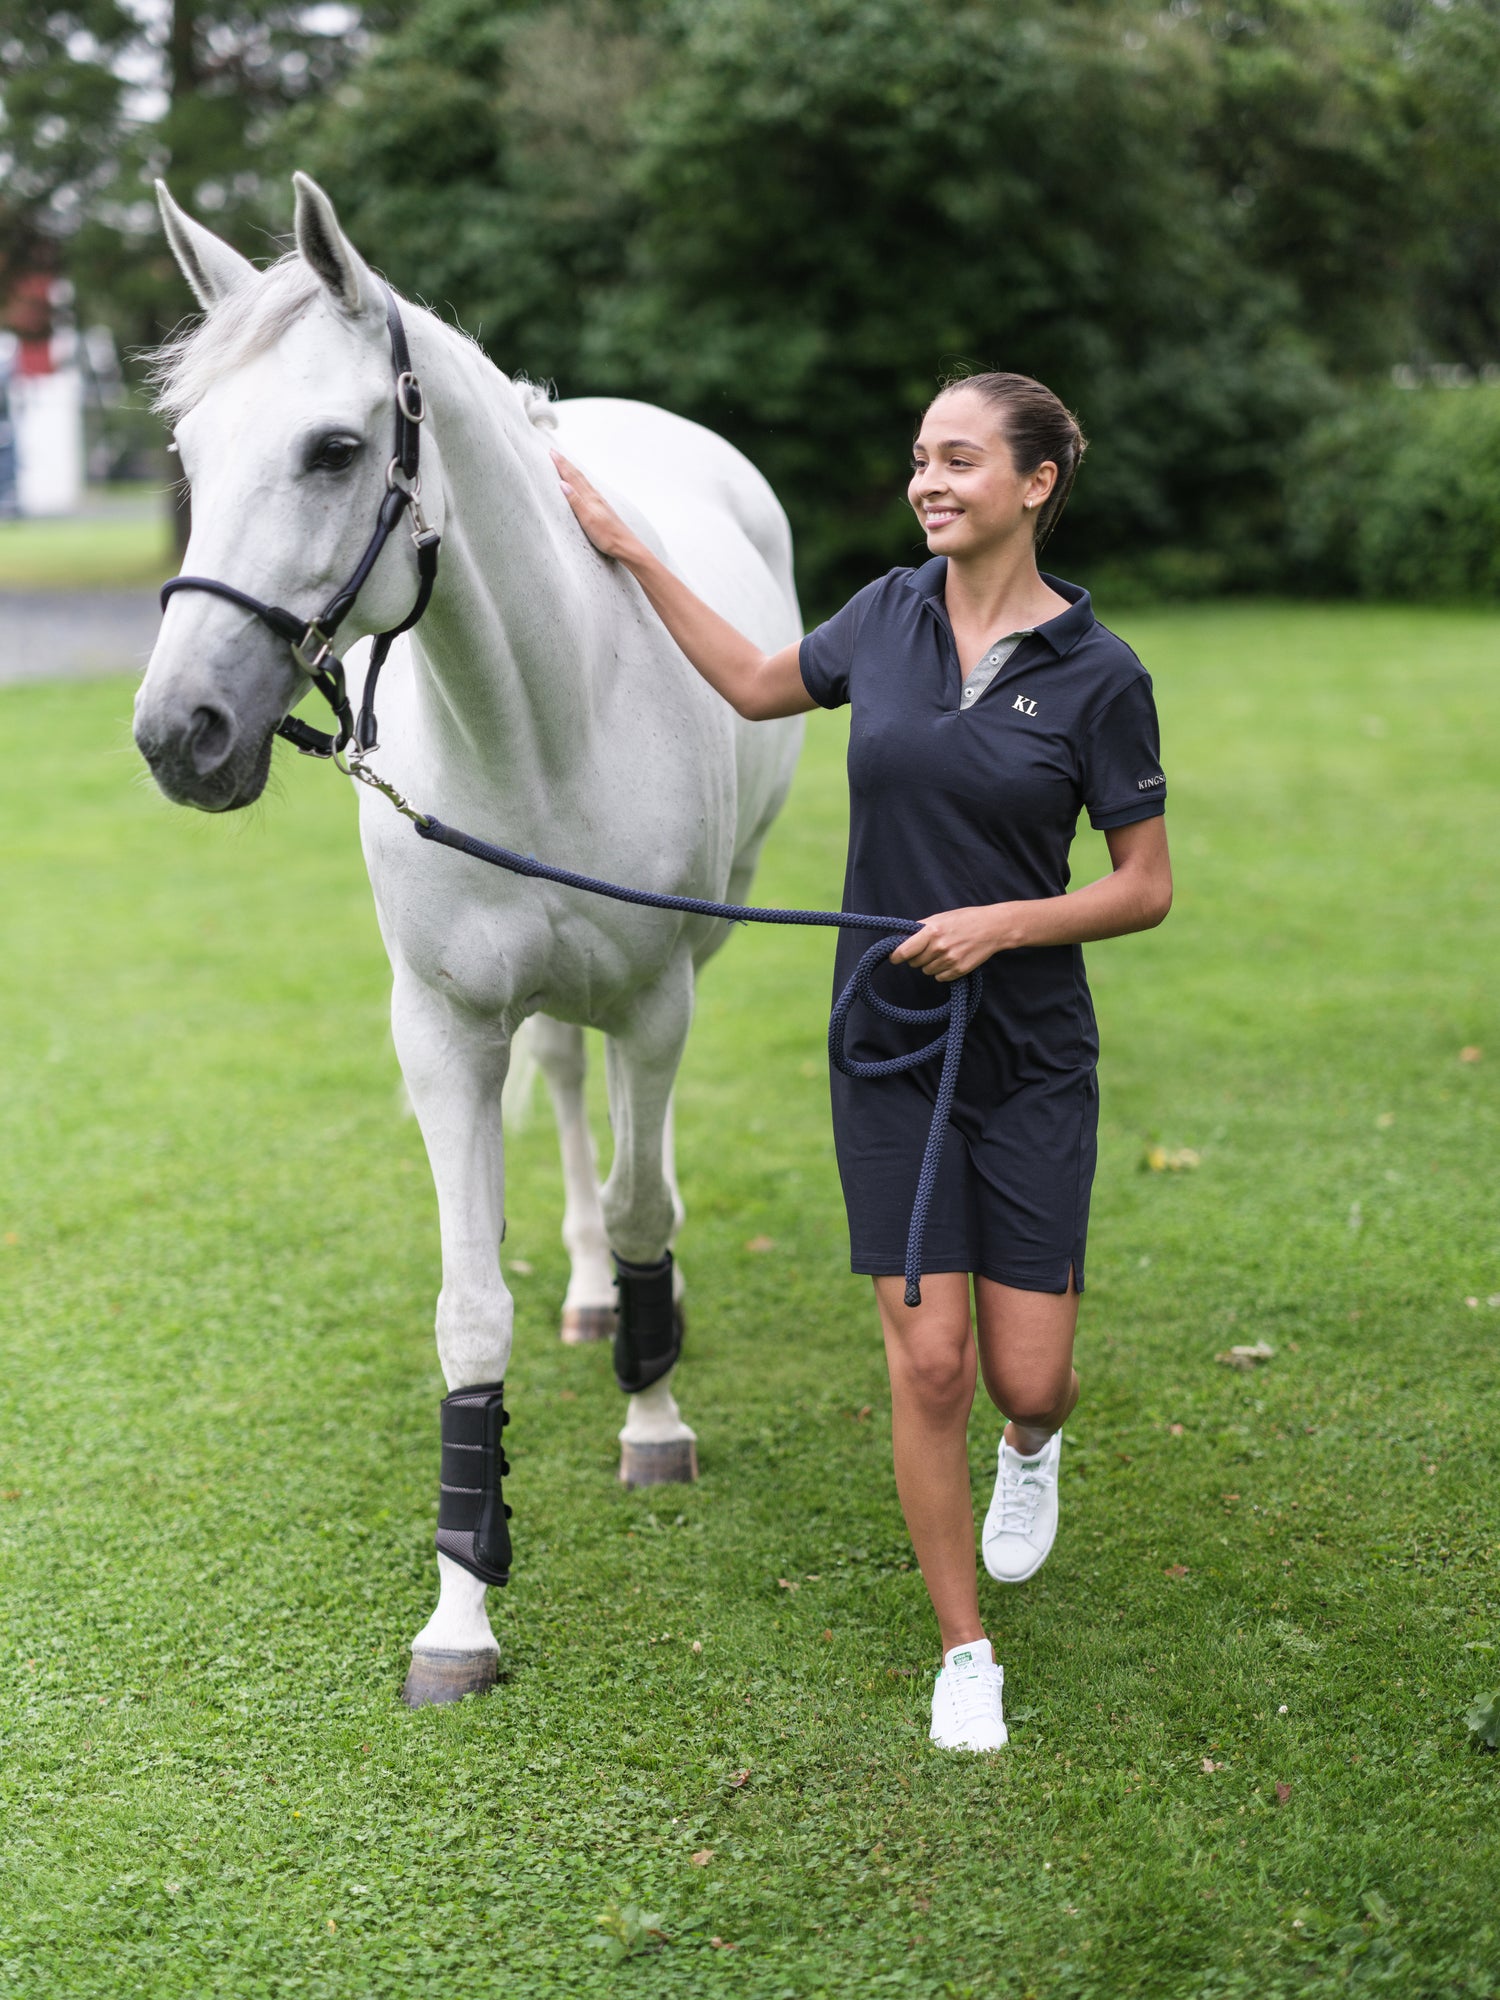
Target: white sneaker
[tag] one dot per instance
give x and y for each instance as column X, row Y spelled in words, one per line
column 967, row 1712
column 1021, row 1525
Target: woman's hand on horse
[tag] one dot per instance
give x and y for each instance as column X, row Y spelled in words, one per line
column 956, row 941
column 594, row 515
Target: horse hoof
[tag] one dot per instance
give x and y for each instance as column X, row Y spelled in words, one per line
column 582, row 1325
column 674, row 1462
column 438, row 1678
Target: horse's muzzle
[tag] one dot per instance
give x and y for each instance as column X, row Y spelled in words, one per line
column 205, row 759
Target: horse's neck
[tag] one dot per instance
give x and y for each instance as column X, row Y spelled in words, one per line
column 504, row 660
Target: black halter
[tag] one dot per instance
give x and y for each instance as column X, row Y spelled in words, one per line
column 311, row 639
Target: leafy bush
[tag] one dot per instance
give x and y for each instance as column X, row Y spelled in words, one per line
column 1399, row 496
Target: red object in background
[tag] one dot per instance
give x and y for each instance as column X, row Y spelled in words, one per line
column 29, row 314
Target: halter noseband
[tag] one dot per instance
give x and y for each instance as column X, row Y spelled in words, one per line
column 311, row 639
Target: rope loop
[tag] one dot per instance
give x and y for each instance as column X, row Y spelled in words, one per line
column 859, row 987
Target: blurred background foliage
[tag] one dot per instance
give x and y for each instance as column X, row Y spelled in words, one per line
column 1256, row 246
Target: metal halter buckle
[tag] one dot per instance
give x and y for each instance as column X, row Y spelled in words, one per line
column 409, row 398
column 325, row 647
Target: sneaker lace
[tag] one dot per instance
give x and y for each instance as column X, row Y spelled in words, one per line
column 973, row 1696
column 1020, row 1496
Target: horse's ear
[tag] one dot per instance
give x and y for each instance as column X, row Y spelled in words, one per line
column 324, row 245
column 211, row 267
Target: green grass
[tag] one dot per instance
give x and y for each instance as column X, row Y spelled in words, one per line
column 218, row 1438
column 91, row 552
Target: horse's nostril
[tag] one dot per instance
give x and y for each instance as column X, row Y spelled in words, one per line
column 210, row 738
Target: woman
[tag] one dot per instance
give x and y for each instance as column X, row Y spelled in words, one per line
column 988, row 706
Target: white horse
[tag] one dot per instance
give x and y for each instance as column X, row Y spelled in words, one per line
column 539, row 703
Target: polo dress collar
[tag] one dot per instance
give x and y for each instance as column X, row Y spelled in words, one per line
column 1061, row 633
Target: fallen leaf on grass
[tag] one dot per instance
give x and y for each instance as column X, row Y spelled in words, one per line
column 1471, row 1054
column 759, row 1243
column 702, row 1858
column 1165, row 1160
column 720, row 1945
column 738, row 1780
column 1210, row 1766
column 1246, row 1356
column 828, row 1632
column 1175, row 1570
column 1484, row 1720
column 1177, row 1430
column 785, row 1583
column 1283, row 1792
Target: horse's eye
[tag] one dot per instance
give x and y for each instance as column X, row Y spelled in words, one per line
column 334, row 454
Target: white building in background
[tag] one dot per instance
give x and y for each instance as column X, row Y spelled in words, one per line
column 44, row 394
column 47, row 412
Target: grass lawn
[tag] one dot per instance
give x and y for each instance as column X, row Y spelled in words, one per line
column 1238, row 1764
column 90, row 552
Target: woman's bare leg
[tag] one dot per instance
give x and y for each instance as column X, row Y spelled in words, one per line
column 930, row 1353
column 1026, row 1356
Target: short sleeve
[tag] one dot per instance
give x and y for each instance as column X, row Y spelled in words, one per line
column 1122, row 774
column 827, row 653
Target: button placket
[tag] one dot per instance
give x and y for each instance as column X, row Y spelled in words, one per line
column 979, row 680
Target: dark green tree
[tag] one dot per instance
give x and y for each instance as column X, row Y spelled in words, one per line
column 838, row 203
column 1192, row 221
column 1452, row 56
column 482, row 154
column 97, row 99
column 61, row 122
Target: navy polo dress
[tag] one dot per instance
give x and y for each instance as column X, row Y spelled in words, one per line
column 953, row 802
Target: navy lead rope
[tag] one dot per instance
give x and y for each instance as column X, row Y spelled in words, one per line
column 956, row 1012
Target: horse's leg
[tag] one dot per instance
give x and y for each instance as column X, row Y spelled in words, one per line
column 454, row 1068
column 679, row 1212
column 640, row 1209
column 589, row 1306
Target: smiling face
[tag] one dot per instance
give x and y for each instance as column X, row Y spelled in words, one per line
column 966, row 488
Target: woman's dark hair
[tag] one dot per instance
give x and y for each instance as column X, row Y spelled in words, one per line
column 1036, row 427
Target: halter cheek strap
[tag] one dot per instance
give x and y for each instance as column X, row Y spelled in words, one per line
column 311, row 639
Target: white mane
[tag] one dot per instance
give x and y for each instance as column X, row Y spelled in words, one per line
column 244, row 323
column 250, row 320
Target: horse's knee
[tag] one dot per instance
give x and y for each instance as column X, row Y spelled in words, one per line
column 639, row 1226
column 474, row 1331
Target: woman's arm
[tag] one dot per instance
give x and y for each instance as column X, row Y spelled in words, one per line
column 759, row 685
column 1136, row 896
